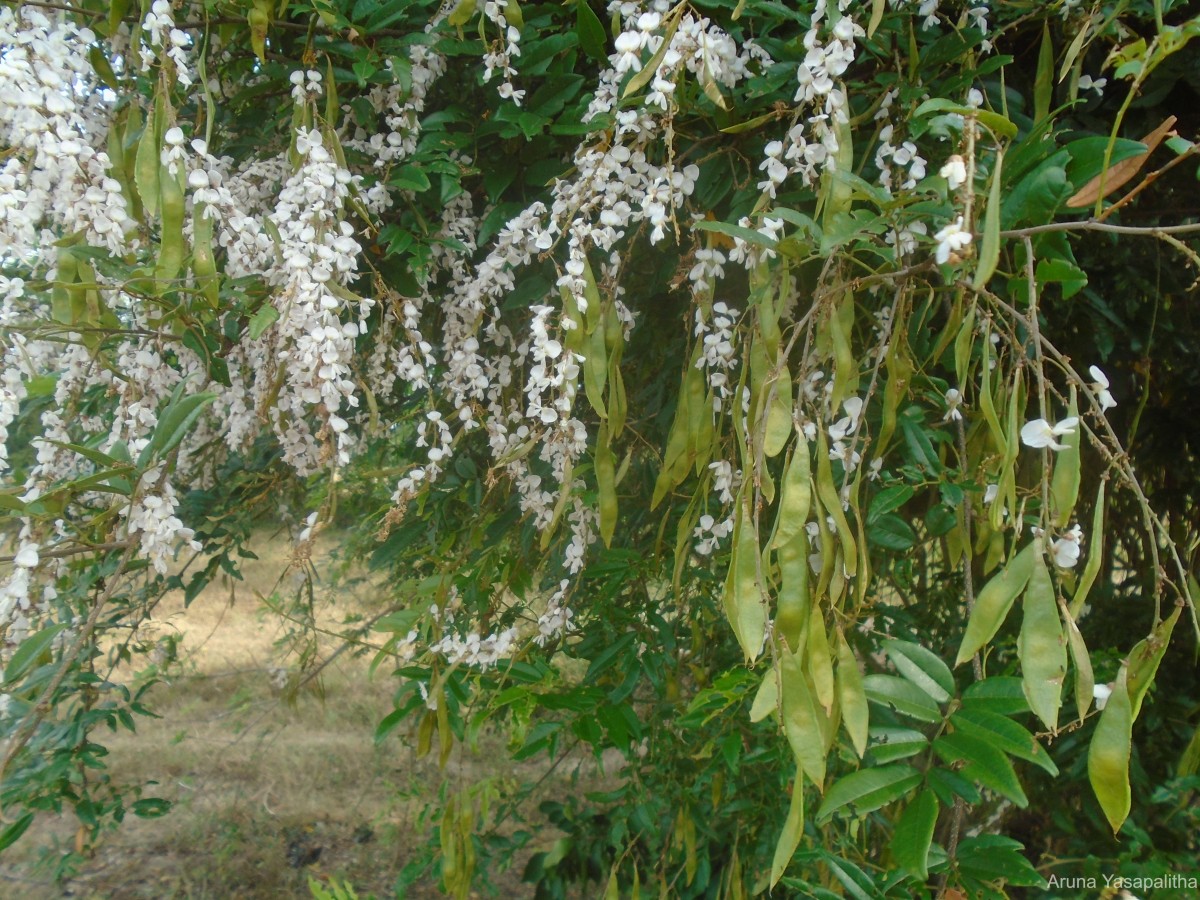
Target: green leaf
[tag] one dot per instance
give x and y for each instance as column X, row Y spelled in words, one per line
column 409, row 178
column 858, row 884
column 1056, row 270
column 995, row 122
column 749, row 235
column 991, row 858
column 903, row 696
column 1037, row 196
column 891, row 533
column 948, row 784
column 606, row 483
column 264, row 317
column 1004, row 734
column 150, row 807
column 1087, row 156
column 984, row 763
column 914, row 834
column 867, row 790
column 1043, row 85
column 1001, row 694
column 30, row 653
column 922, row 667
column 888, row 744
column 175, row 422
column 591, row 33
column 13, row 832
column 888, row 500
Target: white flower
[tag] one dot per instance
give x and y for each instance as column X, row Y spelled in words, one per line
column 27, row 557
column 1039, row 433
column 954, row 171
column 1066, row 548
column 1087, row 82
column 1101, row 693
column 990, row 493
column 953, row 402
column 950, row 240
column 1100, row 386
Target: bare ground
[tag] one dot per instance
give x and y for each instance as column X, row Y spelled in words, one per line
column 266, row 793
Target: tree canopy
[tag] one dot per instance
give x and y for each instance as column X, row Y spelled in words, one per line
column 795, row 397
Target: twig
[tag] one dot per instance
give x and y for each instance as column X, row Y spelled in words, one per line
column 1107, row 227
column 75, row 551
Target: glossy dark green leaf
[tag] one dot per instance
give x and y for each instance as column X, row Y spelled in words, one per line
column 1004, row 734
column 30, row 652
column 914, row 834
column 903, row 696
column 922, row 667
column 1001, row 694
column 886, row 744
column 868, row 789
column 984, row 764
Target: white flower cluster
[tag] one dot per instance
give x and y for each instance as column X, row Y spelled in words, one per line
column 306, row 85
column 401, row 110
column 1100, row 387
column 616, row 187
column 950, row 240
column 17, row 610
column 840, row 448
column 926, row 10
column 709, row 533
column 471, row 649
column 1066, row 548
column 319, row 256
column 812, row 145
column 556, row 620
column 905, row 158
column 12, row 391
column 554, row 370
column 719, row 356
column 160, row 32
column 497, row 58
column 52, row 123
column 434, row 433
column 150, row 516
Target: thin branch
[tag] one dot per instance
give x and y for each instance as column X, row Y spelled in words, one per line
column 75, row 551
column 1107, row 227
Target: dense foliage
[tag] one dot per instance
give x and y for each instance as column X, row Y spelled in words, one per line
column 795, row 398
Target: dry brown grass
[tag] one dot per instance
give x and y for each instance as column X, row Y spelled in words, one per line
column 259, row 784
